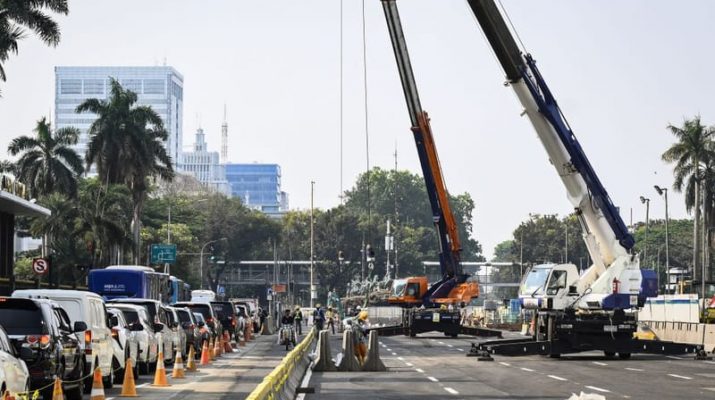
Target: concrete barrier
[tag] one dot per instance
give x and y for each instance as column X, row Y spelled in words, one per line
column 349, row 362
column 373, row 363
column 684, row 332
column 323, row 361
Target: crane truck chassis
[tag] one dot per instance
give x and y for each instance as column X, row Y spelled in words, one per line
column 417, row 320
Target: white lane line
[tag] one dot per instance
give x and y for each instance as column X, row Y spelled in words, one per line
column 143, row 384
column 401, row 358
column 388, row 349
column 504, row 364
column 460, row 349
column 635, row 369
column 710, row 362
column 600, row 363
column 409, row 364
column 526, row 369
column 451, row 391
column 440, row 342
column 420, row 370
column 379, row 342
column 599, row 389
column 449, row 345
column 675, row 358
column 710, row 389
column 433, row 379
column 109, row 398
column 393, row 353
column 558, row 378
column 680, row 376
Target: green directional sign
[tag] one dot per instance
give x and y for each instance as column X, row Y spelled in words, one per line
column 163, row 253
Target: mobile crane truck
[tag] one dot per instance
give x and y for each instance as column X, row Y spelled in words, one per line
column 596, row 310
column 422, row 301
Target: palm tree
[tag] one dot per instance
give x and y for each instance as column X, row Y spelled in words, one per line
column 48, row 163
column 693, row 150
column 16, row 14
column 127, row 146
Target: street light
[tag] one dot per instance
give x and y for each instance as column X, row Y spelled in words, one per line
column 664, row 192
column 201, row 259
column 646, row 201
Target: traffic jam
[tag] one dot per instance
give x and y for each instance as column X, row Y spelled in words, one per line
column 132, row 321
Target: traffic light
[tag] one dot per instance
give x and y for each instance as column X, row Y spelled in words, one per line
column 370, row 254
column 341, row 257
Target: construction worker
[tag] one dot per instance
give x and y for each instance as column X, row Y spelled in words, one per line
column 330, row 318
column 298, row 318
column 360, row 336
column 318, row 317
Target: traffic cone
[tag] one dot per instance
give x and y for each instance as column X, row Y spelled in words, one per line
column 227, row 343
column 205, row 356
column 7, row 396
column 212, row 356
column 129, row 388
column 57, row 390
column 160, row 376
column 178, row 371
column 217, row 347
column 191, row 362
column 97, row 386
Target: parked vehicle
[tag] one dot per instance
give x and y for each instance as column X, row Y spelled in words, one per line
column 160, row 324
column 130, row 281
column 146, row 338
column 206, row 333
column 202, row 296
column 40, row 332
column 178, row 337
column 191, row 330
column 226, row 313
column 124, row 344
column 207, row 311
column 14, row 375
column 89, row 308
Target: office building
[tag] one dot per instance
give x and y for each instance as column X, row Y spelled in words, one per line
column 204, row 165
column 258, row 186
column 161, row 87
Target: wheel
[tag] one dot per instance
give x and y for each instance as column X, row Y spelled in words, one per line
column 119, row 375
column 454, row 335
column 89, row 378
column 143, row 368
column 74, row 393
column 108, row 381
column 624, row 356
column 152, row 368
column 609, row 353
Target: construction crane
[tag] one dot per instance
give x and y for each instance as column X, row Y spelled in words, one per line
column 596, row 310
column 454, row 286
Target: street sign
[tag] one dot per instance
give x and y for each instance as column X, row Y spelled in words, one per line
column 279, row 288
column 163, row 253
column 269, row 294
column 40, row 266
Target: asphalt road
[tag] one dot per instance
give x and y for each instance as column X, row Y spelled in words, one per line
column 435, row 367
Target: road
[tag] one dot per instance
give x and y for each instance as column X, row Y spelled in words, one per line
column 432, row 367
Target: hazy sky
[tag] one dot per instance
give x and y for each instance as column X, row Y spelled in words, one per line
column 621, row 70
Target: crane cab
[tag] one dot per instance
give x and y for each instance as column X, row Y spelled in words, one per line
column 408, row 291
column 549, row 286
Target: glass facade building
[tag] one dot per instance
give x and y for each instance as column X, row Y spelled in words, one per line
column 258, row 186
column 161, row 87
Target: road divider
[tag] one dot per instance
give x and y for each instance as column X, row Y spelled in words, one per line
column 323, row 356
column 373, row 363
column 349, row 361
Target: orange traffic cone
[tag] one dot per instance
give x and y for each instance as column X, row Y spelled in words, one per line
column 212, row 356
column 227, row 343
column 191, row 362
column 57, row 390
column 129, row 387
column 97, row 386
column 160, row 376
column 178, row 371
column 7, row 396
column 205, row 354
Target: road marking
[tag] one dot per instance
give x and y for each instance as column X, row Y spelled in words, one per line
column 635, row 369
column 527, row 369
column 600, row 363
column 460, row 349
column 680, row 376
column 710, row 362
column 379, row 342
column 675, row 358
column 393, row 353
column 409, row 364
column 450, row 390
column 558, row 378
column 440, row 342
column 400, row 358
column 109, row 398
column 143, row 384
column 710, row 389
column 433, row 379
column 599, row 389
column 420, row 370
column 449, row 345
column 388, row 349
column 504, row 364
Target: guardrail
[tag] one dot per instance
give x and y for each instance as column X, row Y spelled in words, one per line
column 283, row 380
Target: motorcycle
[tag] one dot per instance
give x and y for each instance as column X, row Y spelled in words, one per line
column 287, row 336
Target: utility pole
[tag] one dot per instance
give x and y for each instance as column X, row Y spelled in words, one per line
column 664, row 193
column 313, row 295
column 646, row 201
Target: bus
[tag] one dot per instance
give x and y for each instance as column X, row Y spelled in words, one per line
column 135, row 281
column 180, row 290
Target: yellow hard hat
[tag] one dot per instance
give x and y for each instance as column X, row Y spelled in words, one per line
column 362, row 316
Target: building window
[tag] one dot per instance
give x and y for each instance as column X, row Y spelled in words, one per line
column 154, row 86
column 71, row 86
column 135, row 85
column 93, row 86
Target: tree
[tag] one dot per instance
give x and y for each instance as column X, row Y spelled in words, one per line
column 16, row 14
column 127, row 146
column 690, row 153
column 48, row 164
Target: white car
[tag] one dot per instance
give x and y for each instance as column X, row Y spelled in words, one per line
column 124, row 344
column 178, row 337
column 148, row 346
column 14, row 375
column 89, row 308
column 159, row 323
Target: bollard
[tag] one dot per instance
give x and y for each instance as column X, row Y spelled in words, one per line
column 323, row 361
column 373, row 363
column 349, row 362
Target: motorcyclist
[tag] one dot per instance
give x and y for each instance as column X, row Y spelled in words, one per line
column 286, row 325
column 287, row 319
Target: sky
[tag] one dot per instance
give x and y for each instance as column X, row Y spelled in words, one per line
column 621, row 71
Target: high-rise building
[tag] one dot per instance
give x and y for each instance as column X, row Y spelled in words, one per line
column 204, row 165
column 161, row 87
column 258, row 186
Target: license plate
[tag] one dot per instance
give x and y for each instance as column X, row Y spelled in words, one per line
column 435, row 317
column 610, row 328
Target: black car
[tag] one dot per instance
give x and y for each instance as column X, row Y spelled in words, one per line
column 207, row 311
column 43, row 327
column 226, row 313
column 192, row 330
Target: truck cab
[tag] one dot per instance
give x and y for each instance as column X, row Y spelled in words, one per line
column 408, row 290
column 549, row 286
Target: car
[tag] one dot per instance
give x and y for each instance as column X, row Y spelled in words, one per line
column 191, row 329
column 226, row 313
column 14, row 375
column 97, row 340
column 40, row 331
column 146, row 338
column 163, row 332
column 208, row 313
column 206, row 333
column 178, row 337
column 125, row 344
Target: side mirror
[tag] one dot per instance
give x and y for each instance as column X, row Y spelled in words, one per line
column 113, row 321
column 26, row 353
column 135, row 327
column 158, row 326
column 79, row 326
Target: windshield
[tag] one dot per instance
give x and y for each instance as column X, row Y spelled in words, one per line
column 398, row 287
column 21, row 318
column 535, row 281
